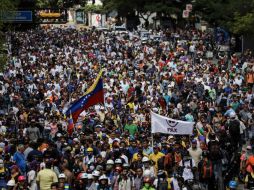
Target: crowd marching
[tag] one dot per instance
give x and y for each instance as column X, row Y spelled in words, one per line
column 109, row 146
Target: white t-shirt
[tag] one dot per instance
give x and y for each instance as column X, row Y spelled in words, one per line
column 187, row 172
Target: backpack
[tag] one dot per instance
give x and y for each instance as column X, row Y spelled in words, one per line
column 215, row 152
column 166, row 162
column 234, row 128
column 206, row 170
column 162, row 184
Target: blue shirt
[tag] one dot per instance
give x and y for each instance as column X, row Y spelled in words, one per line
column 148, row 151
column 132, row 151
column 19, row 158
column 228, row 112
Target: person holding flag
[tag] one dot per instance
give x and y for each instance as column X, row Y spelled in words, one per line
column 93, row 96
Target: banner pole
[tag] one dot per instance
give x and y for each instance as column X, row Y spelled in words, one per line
column 152, row 139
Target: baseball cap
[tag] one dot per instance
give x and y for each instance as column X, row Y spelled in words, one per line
column 62, row 175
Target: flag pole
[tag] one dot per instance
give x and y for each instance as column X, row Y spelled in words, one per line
column 152, row 139
column 151, row 129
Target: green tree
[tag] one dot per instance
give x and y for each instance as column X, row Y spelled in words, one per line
column 5, row 5
column 59, row 3
column 235, row 15
column 144, row 8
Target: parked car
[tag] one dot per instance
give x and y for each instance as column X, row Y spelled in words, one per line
column 103, row 29
column 120, row 30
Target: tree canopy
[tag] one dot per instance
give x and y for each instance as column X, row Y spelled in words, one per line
column 5, row 5
column 59, row 3
column 235, row 15
column 144, row 7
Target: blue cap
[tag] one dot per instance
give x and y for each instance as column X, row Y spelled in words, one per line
column 233, row 184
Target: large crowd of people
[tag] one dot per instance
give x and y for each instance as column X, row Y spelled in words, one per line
column 174, row 75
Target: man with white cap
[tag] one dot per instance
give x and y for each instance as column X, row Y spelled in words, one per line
column 233, row 126
column 46, row 176
column 90, row 183
column 62, row 182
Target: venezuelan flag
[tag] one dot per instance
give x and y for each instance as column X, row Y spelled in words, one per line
column 93, row 96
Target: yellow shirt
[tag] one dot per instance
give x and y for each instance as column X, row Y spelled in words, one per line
column 131, row 106
column 169, row 183
column 155, row 158
column 45, row 178
column 247, row 177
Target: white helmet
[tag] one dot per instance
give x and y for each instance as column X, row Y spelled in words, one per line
column 110, row 162
column 103, row 177
column 96, row 173
column 89, row 176
column 84, row 176
column 11, row 183
column 62, row 175
column 118, row 161
column 125, row 165
column 232, row 115
column 147, row 173
column 145, row 159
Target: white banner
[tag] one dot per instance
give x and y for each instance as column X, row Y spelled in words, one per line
column 186, row 13
column 162, row 124
column 96, row 20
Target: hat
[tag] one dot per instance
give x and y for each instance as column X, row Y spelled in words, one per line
column 84, row 176
column 145, row 159
column 170, row 137
column 110, row 162
column 232, row 115
column 103, row 177
column 21, row 178
column 125, row 165
column 96, row 173
column 194, row 141
column 11, row 183
column 98, row 126
column 248, row 147
column 89, row 176
column 62, row 175
column 118, row 161
column 89, row 149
